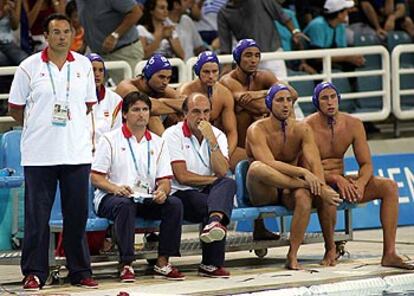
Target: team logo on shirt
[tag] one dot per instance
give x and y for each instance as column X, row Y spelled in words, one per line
column 123, row 148
column 106, row 113
column 78, row 75
column 187, row 146
column 42, row 74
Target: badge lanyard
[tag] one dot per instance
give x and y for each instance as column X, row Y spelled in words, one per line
column 53, row 83
column 135, row 160
column 198, row 153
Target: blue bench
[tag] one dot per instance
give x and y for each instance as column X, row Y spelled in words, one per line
column 243, row 212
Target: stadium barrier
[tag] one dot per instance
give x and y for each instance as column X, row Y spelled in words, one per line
column 402, row 59
column 380, row 92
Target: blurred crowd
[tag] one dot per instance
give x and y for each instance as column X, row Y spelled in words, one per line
column 184, row 28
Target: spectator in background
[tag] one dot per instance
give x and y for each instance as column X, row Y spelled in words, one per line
column 190, row 39
column 328, row 31
column 157, row 34
column 10, row 53
column 358, row 25
column 37, row 11
column 288, row 45
column 387, row 15
column 78, row 43
column 51, row 95
column 254, row 19
column 110, row 28
column 207, row 22
column 106, row 115
column 307, row 10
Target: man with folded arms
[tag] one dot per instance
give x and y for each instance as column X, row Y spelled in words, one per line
column 153, row 82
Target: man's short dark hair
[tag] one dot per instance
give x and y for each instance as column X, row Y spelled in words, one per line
column 70, row 8
column 171, row 4
column 184, row 107
column 133, row 97
column 52, row 17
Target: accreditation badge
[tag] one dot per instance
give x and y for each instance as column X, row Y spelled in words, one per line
column 141, row 186
column 60, row 114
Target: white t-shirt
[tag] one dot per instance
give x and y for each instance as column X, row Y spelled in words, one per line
column 106, row 115
column 113, row 158
column 188, row 35
column 184, row 147
column 164, row 48
column 43, row 143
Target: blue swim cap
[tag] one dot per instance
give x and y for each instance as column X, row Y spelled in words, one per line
column 274, row 89
column 94, row 57
column 155, row 64
column 203, row 58
column 320, row 87
column 241, row 46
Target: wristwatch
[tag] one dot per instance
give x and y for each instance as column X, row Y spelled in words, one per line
column 296, row 30
column 115, row 35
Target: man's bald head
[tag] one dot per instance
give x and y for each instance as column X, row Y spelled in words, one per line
column 193, row 100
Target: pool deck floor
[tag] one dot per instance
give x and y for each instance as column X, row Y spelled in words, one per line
column 248, row 273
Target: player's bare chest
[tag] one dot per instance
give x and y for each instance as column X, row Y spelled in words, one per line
column 285, row 147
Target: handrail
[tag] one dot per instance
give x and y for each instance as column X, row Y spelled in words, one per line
column 327, row 74
column 397, row 71
column 326, row 55
column 185, row 72
column 119, row 65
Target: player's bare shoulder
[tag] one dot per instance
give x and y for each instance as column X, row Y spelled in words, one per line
column 187, row 87
column 352, row 124
column 228, row 80
column 266, row 78
column 313, row 120
column 301, row 127
column 224, row 92
column 259, row 128
column 125, row 87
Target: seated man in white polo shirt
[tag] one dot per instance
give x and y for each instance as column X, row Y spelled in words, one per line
column 132, row 173
column 199, row 159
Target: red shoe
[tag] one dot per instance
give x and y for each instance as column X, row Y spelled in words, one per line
column 31, row 283
column 215, row 231
column 168, row 272
column 127, row 274
column 88, row 283
column 213, row 271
